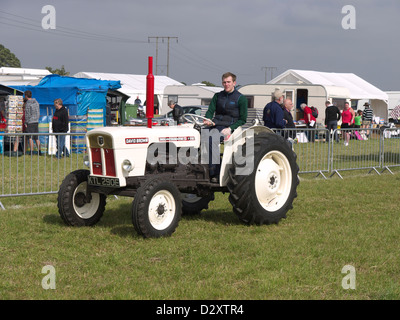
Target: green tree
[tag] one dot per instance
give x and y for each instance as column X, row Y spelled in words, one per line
column 60, row 72
column 209, row 84
column 8, row 59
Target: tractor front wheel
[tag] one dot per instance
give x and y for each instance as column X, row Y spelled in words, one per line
column 156, row 208
column 74, row 205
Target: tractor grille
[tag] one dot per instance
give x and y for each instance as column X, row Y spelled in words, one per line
column 102, row 155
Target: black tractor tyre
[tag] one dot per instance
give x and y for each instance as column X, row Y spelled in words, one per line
column 73, row 206
column 193, row 205
column 156, row 208
column 264, row 195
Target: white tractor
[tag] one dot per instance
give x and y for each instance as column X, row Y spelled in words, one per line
column 163, row 169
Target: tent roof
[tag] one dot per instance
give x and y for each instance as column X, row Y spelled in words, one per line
column 21, row 76
column 55, row 86
column 55, row 80
column 8, row 90
column 24, row 71
column 357, row 87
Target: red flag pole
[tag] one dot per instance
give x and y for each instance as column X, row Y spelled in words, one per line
column 150, row 94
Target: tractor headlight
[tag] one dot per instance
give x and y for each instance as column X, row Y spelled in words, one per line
column 86, row 161
column 127, row 165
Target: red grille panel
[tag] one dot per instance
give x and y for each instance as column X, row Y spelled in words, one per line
column 97, row 167
column 110, row 164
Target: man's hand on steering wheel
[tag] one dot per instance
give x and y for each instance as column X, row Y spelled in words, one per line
column 197, row 119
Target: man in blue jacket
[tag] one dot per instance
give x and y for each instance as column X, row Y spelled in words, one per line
column 273, row 112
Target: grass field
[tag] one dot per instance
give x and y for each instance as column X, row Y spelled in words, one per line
column 334, row 223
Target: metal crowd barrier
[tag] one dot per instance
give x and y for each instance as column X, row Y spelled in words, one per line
column 313, row 153
column 390, row 156
column 322, row 152
column 363, row 150
column 28, row 173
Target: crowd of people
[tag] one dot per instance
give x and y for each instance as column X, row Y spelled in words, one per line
column 30, row 124
column 277, row 115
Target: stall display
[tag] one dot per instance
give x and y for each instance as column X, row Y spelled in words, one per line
column 14, row 113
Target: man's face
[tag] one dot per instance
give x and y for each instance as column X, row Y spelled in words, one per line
column 228, row 84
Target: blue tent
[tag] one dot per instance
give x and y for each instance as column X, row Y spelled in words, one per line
column 84, row 98
column 78, row 94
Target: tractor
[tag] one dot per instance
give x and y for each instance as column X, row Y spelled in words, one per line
column 163, row 169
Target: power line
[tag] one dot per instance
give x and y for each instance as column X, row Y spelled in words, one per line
column 61, row 30
column 205, row 60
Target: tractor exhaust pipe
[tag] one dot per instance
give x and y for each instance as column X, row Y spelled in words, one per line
column 150, row 94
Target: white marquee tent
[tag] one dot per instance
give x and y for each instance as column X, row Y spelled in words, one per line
column 134, row 85
column 358, row 88
column 21, row 76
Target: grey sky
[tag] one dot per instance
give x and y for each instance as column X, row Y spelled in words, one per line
column 213, row 37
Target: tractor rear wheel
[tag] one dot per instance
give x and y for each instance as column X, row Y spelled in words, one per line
column 193, row 204
column 266, row 194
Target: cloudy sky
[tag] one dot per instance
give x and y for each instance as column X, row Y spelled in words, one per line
column 208, row 37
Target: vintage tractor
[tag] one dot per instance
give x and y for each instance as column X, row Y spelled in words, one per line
column 161, row 169
column 164, row 170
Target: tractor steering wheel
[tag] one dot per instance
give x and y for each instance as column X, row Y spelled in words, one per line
column 194, row 118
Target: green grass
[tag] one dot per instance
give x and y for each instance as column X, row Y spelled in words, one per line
column 212, row 256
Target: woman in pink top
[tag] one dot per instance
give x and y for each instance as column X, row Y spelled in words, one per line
column 348, row 116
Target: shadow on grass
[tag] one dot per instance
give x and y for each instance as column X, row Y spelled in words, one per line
column 224, row 217
column 118, row 220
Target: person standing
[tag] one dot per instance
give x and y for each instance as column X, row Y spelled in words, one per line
column 273, row 112
column 310, row 121
column 177, row 111
column 60, row 125
column 357, row 119
column 367, row 117
column 332, row 116
column 226, row 112
column 348, row 116
column 287, row 116
column 32, row 113
column 140, row 113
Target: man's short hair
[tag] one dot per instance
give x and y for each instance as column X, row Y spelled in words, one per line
column 58, row 101
column 171, row 102
column 229, row 74
column 28, row 93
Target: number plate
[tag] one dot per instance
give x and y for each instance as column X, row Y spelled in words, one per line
column 103, row 181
